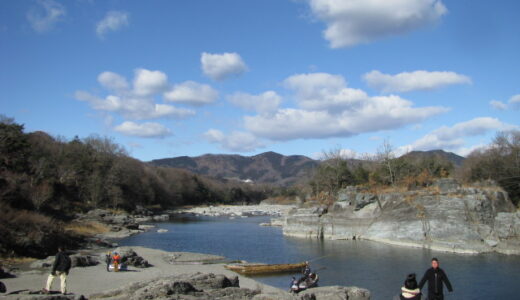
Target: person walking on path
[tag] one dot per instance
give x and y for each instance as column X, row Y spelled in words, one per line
column 60, row 268
column 435, row 277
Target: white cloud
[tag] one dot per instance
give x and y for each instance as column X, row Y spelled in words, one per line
column 147, row 83
column 236, row 141
column 222, row 66
column 513, row 103
column 193, row 93
column 413, row 81
column 113, row 21
column 264, row 103
column 328, row 108
column 145, row 130
column 46, row 15
column 452, row 138
column 113, row 81
column 352, row 22
column 134, row 102
column 499, row 105
column 323, row 91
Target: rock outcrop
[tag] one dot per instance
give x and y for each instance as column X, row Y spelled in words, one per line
column 211, row 286
column 446, row 217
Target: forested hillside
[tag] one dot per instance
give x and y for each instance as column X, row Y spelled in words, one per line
column 42, row 173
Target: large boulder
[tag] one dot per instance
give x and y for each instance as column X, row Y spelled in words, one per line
column 131, row 258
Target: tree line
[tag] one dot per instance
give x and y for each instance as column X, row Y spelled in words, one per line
column 55, row 176
column 499, row 162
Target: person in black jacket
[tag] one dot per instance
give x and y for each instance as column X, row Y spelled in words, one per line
column 435, row 277
column 60, row 268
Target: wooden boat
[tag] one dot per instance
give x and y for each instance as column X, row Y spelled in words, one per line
column 265, row 268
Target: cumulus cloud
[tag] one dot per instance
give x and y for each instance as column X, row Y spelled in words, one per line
column 264, row 103
column 328, row 108
column 513, row 103
column 323, row 91
column 193, row 93
column 113, row 81
column 222, row 66
column 113, row 21
column 236, row 141
column 352, row 22
column 44, row 16
column 134, row 101
column 413, row 81
column 147, row 83
column 145, row 130
column 453, row 138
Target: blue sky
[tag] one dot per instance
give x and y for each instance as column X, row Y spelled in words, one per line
column 189, row 77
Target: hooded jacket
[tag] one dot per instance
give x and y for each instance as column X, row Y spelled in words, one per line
column 435, row 278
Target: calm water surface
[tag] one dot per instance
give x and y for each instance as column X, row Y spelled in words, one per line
column 377, row 267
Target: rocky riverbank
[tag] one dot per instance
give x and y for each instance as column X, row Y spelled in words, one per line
column 445, row 217
column 168, row 275
column 238, row 210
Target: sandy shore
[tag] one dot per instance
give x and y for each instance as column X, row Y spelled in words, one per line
column 95, row 279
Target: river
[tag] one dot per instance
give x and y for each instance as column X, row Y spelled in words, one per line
column 378, row 267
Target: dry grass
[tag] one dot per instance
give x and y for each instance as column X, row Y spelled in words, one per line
column 14, row 261
column 86, row 228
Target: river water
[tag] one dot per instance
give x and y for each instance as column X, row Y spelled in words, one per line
column 378, row 267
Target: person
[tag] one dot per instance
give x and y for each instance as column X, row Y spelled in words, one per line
column 61, row 267
column 294, row 285
column 116, row 259
column 435, row 277
column 108, row 260
column 3, row 289
column 410, row 290
column 306, row 271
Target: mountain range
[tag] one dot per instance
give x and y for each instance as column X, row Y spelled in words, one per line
column 268, row 167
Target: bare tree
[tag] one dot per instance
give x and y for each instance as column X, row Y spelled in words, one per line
column 385, row 156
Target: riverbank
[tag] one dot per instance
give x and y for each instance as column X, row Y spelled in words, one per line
column 95, row 279
column 180, row 273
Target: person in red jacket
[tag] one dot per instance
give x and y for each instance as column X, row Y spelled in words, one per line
column 116, row 259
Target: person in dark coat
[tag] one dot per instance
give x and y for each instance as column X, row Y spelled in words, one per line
column 61, row 267
column 108, row 260
column 436, row 278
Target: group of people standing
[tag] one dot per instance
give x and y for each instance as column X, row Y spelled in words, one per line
column 114, row 259
column 436, row 278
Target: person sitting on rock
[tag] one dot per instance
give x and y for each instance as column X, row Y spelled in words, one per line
column 61, row 267
column 410, row 290
column 294, row 285
column 435, row 277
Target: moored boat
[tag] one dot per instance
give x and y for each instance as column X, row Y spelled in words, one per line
column 265, row 268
